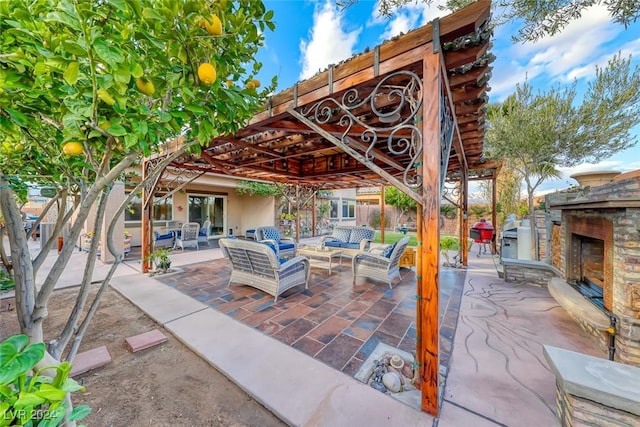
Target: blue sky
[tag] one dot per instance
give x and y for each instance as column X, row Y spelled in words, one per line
column 310, row 35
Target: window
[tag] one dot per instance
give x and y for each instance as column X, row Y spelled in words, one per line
column 162, row 211
column 212, row 208
column 333, row 212
column 349, row 209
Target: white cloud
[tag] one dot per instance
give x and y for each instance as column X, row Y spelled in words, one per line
column 570, row 54
column 589, row 71
column 408, row 17
column 328, row 42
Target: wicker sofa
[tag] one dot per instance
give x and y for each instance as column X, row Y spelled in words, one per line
column 350, row 239
column 257, row 265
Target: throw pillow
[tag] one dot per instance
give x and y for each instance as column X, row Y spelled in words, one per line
column 387, row 252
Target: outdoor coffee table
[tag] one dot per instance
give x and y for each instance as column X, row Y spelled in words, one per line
column 321, row 257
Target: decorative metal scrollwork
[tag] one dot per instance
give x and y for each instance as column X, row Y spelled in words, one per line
column 394, row 106
column 446, row 137
column 452, row 192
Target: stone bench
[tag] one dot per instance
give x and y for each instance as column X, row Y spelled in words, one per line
column 593, row 391
column 578, row 306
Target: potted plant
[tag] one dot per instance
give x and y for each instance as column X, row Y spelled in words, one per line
column 160, row 258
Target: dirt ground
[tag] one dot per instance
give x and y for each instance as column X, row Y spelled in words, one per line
column 167, row 385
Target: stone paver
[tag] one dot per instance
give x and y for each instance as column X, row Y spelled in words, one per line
column 145, row 340
column 88, row 360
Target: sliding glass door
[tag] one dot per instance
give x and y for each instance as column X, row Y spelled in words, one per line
column 212, row 208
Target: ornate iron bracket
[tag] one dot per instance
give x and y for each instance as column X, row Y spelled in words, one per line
column 402, row 103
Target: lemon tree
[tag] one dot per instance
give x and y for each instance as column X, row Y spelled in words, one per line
column 109, row 81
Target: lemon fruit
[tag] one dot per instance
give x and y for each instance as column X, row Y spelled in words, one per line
column 207, row 73
column 145, row 86
column 73, row 148
column 19, row 148
column 215, row 27
column 229, row 83
column 256, row 82
column 251, row 85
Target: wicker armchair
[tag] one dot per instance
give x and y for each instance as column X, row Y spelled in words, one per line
column 377, row 266
column 188, row 237
column 205, row 232
column 257, row 265
column 286, row 245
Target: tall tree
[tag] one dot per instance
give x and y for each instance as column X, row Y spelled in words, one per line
column 539, row 132
column 90, row 87
column 399, row 200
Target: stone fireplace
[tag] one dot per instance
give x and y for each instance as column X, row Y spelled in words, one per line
column 595, row 243
column 590, row 258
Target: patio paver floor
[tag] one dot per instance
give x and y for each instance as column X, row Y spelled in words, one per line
column 331, row 321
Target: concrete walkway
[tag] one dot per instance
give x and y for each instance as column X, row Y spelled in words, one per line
column 497, row 376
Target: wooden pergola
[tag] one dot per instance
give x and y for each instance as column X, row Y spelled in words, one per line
column 409, row 113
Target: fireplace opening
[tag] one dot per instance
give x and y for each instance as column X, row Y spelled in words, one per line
column 588, row 268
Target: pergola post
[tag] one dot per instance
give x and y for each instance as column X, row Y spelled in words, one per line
column 382, row 217
column 429, row 234
column 297, row 213
column 494, row 214
column 313, row 214
column 464, row 216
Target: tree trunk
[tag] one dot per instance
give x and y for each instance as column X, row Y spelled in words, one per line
column 532, row 227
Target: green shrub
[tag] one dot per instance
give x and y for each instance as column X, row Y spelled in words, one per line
column 31, row 399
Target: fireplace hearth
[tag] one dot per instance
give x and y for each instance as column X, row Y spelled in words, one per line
column 595, row 243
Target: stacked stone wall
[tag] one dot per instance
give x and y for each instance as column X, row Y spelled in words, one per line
column 576, row 411
column 557, row 254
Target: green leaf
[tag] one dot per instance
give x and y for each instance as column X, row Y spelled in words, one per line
column 180, row 115
column 71, row 74
column 63, row 18
column 130, row 140
column 79, row 412
column 40, row 68
column 28, row 399
column 74, row 48
column 140, row 128
column 108, row 54
column 149, row 13
column 182, row 55
column 164, row 116
column 120, row 5
column 17, row 117
column 51, row 393
column 136, row 70
column 122, row 75
column 117, row 130
column 269, row 15
column 195, row 109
